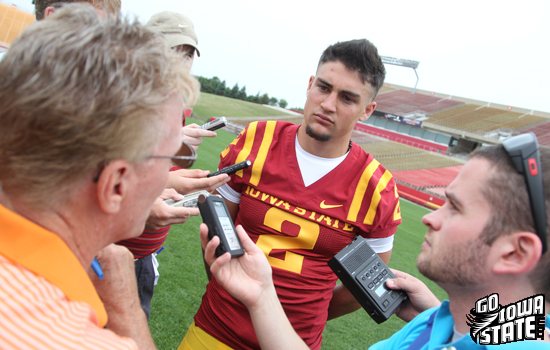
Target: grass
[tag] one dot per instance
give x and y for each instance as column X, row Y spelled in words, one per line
column 183, row 279
column 210, row 105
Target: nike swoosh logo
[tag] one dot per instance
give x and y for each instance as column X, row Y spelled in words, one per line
column 323, row 205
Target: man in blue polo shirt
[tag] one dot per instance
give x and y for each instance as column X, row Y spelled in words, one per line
column 486, row 247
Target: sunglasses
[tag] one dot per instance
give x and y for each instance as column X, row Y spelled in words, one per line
column 184, row 157
column 523, row 150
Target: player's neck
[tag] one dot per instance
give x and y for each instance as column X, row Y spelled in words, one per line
column 326, row 149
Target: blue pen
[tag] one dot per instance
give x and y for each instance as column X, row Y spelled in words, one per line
column 97, row 268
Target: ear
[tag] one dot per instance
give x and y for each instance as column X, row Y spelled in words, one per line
column 48, row 11
column 369, row 109
column 310, row 83
column 113, row 184
column 516, row 253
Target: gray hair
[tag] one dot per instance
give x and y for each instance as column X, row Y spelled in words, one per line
column 78, row 90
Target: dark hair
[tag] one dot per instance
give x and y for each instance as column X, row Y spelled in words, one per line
column 506, row 191
column 358, row 55
column 110, row 6
column 40, row 6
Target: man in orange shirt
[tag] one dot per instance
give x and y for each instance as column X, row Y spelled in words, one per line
column 91, row 116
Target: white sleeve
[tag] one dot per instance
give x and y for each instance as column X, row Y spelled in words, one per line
column 229, row 194
column 381, row 245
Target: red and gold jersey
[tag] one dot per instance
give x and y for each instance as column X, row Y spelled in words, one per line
column 299, row 228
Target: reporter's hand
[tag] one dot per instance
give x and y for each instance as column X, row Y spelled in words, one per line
column 162, row 214
column 192, row 135
column 118, row 288
column 118, row 292
column 420, row 296
column 191, row 180
column 248, row 277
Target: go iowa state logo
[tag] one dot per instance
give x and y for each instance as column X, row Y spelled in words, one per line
column 491, row 323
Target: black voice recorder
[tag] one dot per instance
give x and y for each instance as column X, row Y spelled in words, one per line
column 232, row 168
column 215, row 124
column 215, row 215
column 364, row 273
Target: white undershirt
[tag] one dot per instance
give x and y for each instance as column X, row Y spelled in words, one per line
column 312, row 169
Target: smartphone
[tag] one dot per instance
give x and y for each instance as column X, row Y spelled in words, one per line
column 231, row 169
column 215, row 124
column 364, row 274
column 215, row 215
column 189, row 200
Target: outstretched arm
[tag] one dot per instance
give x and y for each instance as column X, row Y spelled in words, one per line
column 248, row 279
column 190, row 180
column 162, row 214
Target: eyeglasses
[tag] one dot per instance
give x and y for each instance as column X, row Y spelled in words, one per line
column 523, row 149
column 184, row 157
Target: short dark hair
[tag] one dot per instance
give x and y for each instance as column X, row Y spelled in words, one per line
column 40, row 6
column 506, row 191
column 358, row 55
column 110, row 6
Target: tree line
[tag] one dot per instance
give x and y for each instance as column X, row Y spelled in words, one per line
column 218, row 87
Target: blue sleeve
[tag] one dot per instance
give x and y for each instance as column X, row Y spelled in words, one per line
column 403, row 338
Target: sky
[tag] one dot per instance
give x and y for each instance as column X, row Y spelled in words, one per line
column 495, row 51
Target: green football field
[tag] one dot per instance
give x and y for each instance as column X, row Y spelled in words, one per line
column 183, row 279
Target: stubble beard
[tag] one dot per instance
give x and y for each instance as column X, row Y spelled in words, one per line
column 317, row 136
column 456, row 265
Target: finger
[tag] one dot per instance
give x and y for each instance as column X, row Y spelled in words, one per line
column 399, row 273
column 191, row 173
column 404, row 284
column 203, row 230
column 173, row 215
column 197, row 132
column 248, row 245
column 219, row 262
column 192, row 141
column 391, row 284
column 170, row 193
column 218, row 180
column 193, row 211
column 185, row 211
column 208, row 183
column 210, row 250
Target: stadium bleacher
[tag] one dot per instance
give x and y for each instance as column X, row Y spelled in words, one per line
column 477, row 122
column 542, row 131
column 402, row 102
column 483, row 120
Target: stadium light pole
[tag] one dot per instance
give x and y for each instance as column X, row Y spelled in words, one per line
column 403, row 63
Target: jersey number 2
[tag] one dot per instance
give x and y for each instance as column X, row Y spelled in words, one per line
column 306, row 239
